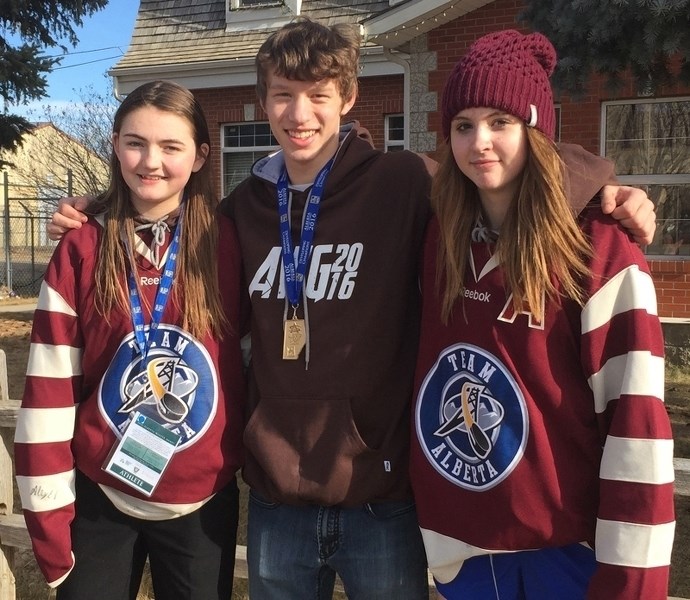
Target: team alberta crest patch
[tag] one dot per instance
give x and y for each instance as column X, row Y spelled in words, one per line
column 177, row 387
column 471, row 418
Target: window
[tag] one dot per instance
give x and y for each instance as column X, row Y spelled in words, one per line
column 234, row 4
column 395, row 133
column 243, row 145
column 242, row 16
column 557, row 135
column 649, row 140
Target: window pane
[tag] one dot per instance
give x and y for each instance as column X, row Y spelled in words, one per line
column 237, row 166
column 248, row 135
column 244, row 3
column 672, row 235
column 557, row 135
column 395, row 132
column 647, row 138
column 243, row 145
column 651, row 141
column 396, row 128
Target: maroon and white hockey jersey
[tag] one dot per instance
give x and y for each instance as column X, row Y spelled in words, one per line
column 84, row 379
column 539, row 431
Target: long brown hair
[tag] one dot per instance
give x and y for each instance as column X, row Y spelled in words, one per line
column 195, row 290
column 540, row 241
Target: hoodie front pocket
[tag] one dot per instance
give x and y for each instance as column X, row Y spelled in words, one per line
column 309, row 447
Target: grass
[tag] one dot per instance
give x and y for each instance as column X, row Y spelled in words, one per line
column 675, row 374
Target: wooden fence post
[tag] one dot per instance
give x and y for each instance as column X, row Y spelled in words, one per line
column 7, row 580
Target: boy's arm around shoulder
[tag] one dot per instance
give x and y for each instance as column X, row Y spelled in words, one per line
column 585, row 174
column 588, row 175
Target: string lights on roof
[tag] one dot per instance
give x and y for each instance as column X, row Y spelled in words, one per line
column 404, row 28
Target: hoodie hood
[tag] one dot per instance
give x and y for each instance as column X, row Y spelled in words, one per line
column 270, row 167
column 585, row 175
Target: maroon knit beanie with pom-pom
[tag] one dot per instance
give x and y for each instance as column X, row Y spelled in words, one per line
column 505, row 70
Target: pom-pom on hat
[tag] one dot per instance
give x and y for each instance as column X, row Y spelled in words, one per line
column 505, row 70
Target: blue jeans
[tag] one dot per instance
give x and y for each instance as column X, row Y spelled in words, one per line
column 294, row 552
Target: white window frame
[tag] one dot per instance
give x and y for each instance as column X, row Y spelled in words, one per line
column 254, row 149
column 644, row 180
column 389, row 144
column 268, row 14
column 253, row 4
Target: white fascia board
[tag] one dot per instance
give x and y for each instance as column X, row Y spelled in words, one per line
column 373, row 63
column 196, row 76
column 227, row 73
column 396, row 18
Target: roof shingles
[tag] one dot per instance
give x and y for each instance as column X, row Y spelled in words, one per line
column 181, row 32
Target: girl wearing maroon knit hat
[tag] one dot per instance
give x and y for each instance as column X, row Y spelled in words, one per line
column 542, row 452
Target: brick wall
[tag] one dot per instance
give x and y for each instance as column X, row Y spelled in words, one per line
column 223, row 106
column 580, row 123
column 672, row 279
column 379, row 96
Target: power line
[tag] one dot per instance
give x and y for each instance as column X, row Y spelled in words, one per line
column 85, row 52
column 89, row 62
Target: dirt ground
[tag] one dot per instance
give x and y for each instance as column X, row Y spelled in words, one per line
column 15, row 329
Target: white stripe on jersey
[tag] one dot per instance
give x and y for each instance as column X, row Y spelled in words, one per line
column 45, row 425
column 49, row 299
column 445, row 555
column 48, row 360
column 634, row 545
column 638, row 460
column 635, row 373
column 628, row 290
column 46, row 492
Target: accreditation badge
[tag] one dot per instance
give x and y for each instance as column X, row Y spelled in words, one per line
column 142, row 454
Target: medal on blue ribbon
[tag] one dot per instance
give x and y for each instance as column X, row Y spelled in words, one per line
column 294, row 331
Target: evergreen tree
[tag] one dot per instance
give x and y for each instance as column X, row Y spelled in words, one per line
column 39, row 24
column 645, row 36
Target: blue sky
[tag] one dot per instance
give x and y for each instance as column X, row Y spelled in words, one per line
column 103, row 39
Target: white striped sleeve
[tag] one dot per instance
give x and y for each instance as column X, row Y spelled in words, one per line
column 45, row 425
column 634, row 373
column 630, row 289
column 634, row 545
column 46, row 492
column 647, row 461
column 47, row 360
column 49, row 299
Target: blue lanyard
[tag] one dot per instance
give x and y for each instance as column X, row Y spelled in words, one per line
column 143, row 340
column 294, row 275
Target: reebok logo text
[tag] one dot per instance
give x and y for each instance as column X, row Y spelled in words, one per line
column 475, row 295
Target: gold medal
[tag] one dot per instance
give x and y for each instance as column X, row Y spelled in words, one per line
column 294, row 337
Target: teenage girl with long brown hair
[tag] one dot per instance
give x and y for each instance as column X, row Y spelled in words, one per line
column 542, row 452
column 129, row 434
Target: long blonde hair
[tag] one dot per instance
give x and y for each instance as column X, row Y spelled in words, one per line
column 540, row 241
column 195, row 290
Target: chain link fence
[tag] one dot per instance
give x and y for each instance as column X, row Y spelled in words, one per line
column 25, row 246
